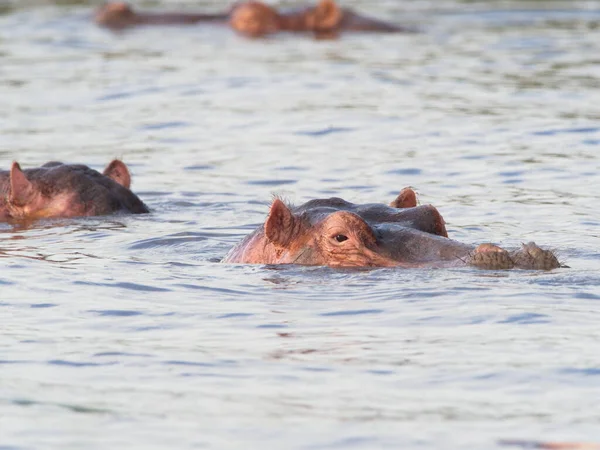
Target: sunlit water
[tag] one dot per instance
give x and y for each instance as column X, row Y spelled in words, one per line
column 125, row 331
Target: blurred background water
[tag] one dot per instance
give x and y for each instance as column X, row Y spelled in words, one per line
column 126, row 332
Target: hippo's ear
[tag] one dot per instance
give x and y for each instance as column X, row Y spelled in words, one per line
column 406, row 199
column 120, row 7
column 327, row 15
column 118, row 171
column 113, row 14
column 116, row 9
column 280, row 225
column 21, row 189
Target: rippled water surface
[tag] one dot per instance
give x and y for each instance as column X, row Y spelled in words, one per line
column 126, row 332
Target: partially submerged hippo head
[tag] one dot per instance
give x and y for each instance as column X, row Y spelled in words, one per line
column 252, row 18
column 255, row 19
column 337, row 233
column 66, row 190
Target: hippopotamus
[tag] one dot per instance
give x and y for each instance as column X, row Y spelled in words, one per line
column 336, row 233
column 66, row 190
column 119, row 15
column 326, row 19
column 253, row 19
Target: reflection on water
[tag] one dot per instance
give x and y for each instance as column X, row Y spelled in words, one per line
column 125, row 331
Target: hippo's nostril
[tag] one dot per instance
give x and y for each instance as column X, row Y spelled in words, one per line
column 341, row 238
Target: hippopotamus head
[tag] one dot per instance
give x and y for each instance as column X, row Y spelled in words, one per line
column 251, row 18
column 66, row 190
column 339, row 236
column 255, row 18
column 338, row 233
column 115, row 15
column 325, row 19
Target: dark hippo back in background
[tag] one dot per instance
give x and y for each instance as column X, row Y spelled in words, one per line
column 252, row 18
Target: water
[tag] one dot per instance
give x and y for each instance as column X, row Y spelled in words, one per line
column 126, row 332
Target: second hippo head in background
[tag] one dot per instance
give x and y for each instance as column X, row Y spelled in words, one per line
column 66, row 190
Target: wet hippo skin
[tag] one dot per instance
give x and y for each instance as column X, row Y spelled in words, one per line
column 66, row 190
column 253, row 19
column 326, row 19
column 337, row 233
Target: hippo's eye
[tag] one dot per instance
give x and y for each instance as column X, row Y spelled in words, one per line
column 341, row 237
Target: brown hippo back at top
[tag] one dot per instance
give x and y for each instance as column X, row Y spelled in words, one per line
column 119, row 15
column 66, row 190
column 252, row 18
column 337, row 233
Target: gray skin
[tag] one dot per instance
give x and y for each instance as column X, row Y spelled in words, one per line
column 66, row 190
column 337, row 233
column 425, row 218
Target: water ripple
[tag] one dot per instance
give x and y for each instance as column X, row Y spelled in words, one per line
column 164, row 125
column 352, row 312
column 325, row 131
column 125, row 285
column 584, row 130
column 61, row 362
column 116, row 313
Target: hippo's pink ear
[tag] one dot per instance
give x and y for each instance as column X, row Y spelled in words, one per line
column 111, row 11
column 118, row 171
column 120, row 7
column 327, row 15
column 407, row 198
column 254, row 19
column 280, row 225
column 21, row 189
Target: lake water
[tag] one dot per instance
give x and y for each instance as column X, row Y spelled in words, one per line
column 126, row 332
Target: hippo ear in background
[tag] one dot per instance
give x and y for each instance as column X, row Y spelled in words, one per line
column 117, row 171
column 279, row 226
column 121, row 7
column 21, row 189
column 407, row 198
column 111, row 11
column 327, row 15
column 115, row 6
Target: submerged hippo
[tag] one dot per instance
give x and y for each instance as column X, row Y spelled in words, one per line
column 66, row 190
column 252, row 19
column 325, row 19
column 338, row 233
column 119, row 15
